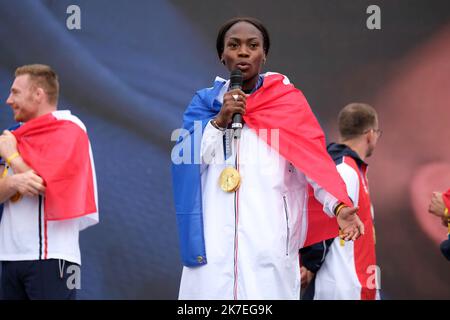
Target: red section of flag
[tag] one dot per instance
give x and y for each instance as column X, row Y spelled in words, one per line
column 446, row 197
column 281, row 106
column 58, row 151
column 320, row 226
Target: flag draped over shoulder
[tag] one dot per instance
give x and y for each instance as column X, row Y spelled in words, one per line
column 58, row 150
column 276, row 105
column 186, row 180
column 279, row 105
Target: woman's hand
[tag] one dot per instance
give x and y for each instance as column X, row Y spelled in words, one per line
column 234, row 101
column 350, row 224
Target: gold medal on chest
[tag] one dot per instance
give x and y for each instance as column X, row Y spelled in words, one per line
column 16, row 197
column 230, row 179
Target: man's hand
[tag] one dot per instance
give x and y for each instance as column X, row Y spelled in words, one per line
column 350, row 224
column 437, row 205
column 27, row 183
column 8, row 144
column 306, row 277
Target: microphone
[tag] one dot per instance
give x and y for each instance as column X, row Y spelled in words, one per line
column 236, row 80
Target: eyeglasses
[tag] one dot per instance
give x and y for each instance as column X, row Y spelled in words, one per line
column 379, row 132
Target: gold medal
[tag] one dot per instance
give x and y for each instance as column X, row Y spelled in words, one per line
column 230, row 179
column 16, row 197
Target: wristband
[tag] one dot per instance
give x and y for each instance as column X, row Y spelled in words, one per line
column 11, row 158
column 339, row 208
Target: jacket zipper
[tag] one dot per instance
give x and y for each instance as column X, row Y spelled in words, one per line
column 287, row 224
column 236, row 225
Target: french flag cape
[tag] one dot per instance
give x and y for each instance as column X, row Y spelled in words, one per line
column 277, row 104
column 59, row 152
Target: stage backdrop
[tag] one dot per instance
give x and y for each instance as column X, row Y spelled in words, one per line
column 132, row 68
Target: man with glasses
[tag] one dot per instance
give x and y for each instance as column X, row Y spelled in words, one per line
column 347, row 270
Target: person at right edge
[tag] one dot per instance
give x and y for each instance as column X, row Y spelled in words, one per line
column 333, row 269
column 439, row 206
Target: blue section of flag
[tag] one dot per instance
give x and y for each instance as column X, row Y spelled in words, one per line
column 186, row 177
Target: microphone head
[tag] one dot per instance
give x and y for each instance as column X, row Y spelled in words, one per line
column 236, row 79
